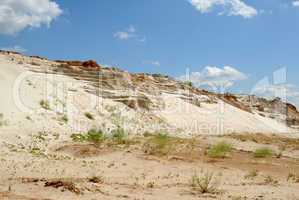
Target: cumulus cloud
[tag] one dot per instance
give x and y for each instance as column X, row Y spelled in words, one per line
column 16, row 15
column 125, row 35
column 283, row 90
column 231, row 7
column 152, row 62
column 156, row 63
column 129, row 33
column 15, row 48
column 296, row 3
column 215, row 77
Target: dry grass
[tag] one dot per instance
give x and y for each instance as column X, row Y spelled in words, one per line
column 282, row 142
column 204, row 183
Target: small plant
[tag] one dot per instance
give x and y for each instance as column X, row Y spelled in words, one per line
column 269, row 180
column 78, row 137
column 279, row 155
column 44, row 104
column 293, row 177
column 252, row 174
column 161, row 140
column 159, row 144
column 93, row 135
column 263, row 152
column 189, row 83
column 119, row 136
column 220, row 150
column 89, row 115
column 204, row 184
column 36, row 151
column 28, row 118
column 150, row 185
column 64, row 118
column 96, row 179
column 2, row 121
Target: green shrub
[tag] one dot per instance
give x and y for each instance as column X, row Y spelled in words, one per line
column 161, row 140
column 189, row 83
column 263, row 152
column 93, row 135
column 220, row 150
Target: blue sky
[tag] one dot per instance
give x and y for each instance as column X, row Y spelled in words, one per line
column 253, row 38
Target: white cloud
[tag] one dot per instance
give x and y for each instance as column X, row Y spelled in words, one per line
column 296, row 3
column 15, row 48
column 215, row 77
column 152, row 62
column 125, row 35
column 129, row 33
column 156, row 63
column 286, row 92
column 231, row 7
column 16, row 15
column 122, row 35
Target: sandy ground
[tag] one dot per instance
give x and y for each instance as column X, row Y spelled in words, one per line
column 127, row 172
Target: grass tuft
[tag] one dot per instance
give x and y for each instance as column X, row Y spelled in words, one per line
column 220, row 150
column 263, row 152
column 204, row 184
column 158, row 144
column 119, row 136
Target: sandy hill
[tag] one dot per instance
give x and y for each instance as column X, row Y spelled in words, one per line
column 47, row 91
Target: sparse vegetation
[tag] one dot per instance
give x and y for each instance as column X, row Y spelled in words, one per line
column 204, row 184
column 45, row 104
column 158, row 144
column 36, row 151
column 263, row 152
column 270, row 180
column 93, row 135
column 119, row 135
column 189, row 83
column 282, row 142
column 220, row 150
column 89, row 115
